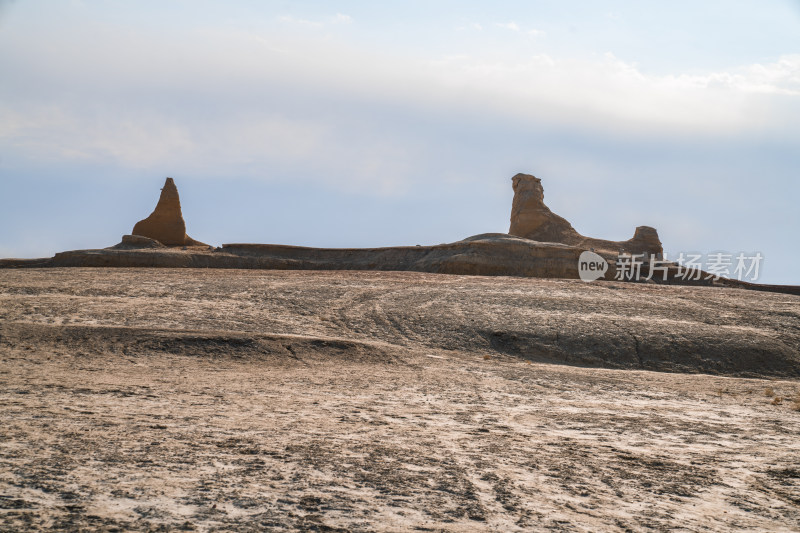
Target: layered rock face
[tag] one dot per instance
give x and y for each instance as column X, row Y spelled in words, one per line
column 165, row 224
column 532, row 219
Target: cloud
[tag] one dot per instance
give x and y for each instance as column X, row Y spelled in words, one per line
column 508, row 25
column 471, row 26
column 341, row 19
column 513, row 26
column 336, row 19
column 608, row 90
column 233, row 101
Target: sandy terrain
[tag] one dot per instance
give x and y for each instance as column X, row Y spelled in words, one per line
column 135, row 399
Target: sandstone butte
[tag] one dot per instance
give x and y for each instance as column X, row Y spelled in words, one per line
column 532, row 219
column 165, row 224
column 539, row 244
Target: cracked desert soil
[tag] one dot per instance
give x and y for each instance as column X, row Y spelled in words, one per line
column 213, row 400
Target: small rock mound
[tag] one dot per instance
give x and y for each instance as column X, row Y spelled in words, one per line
column 137, row 242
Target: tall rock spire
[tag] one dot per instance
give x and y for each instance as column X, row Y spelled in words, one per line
column 165, row 224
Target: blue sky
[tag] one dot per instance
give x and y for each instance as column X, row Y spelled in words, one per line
column 392, row 123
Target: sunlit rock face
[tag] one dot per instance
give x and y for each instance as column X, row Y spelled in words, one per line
column 165, row 224
column 532, row 219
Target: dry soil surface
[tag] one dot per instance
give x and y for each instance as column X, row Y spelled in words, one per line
column 225, row 400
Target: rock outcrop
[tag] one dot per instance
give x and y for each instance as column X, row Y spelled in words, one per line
column 136, row 242
column 532, row 219
column 165, row 224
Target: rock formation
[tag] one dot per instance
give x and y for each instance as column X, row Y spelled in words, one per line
column 165, row 224
column 137, row 242
column 532, row 219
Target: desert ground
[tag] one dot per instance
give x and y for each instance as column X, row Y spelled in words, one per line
column 251, row 400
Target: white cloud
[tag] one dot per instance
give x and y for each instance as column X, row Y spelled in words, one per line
column 609, row 90
column 129, row 103
column 341, row 19
column 471, row 26
column 513, row 26
column 338, row 18
column 289, row 19
column 779, row 77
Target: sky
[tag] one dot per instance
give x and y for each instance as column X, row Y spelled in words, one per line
column 362, row 123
